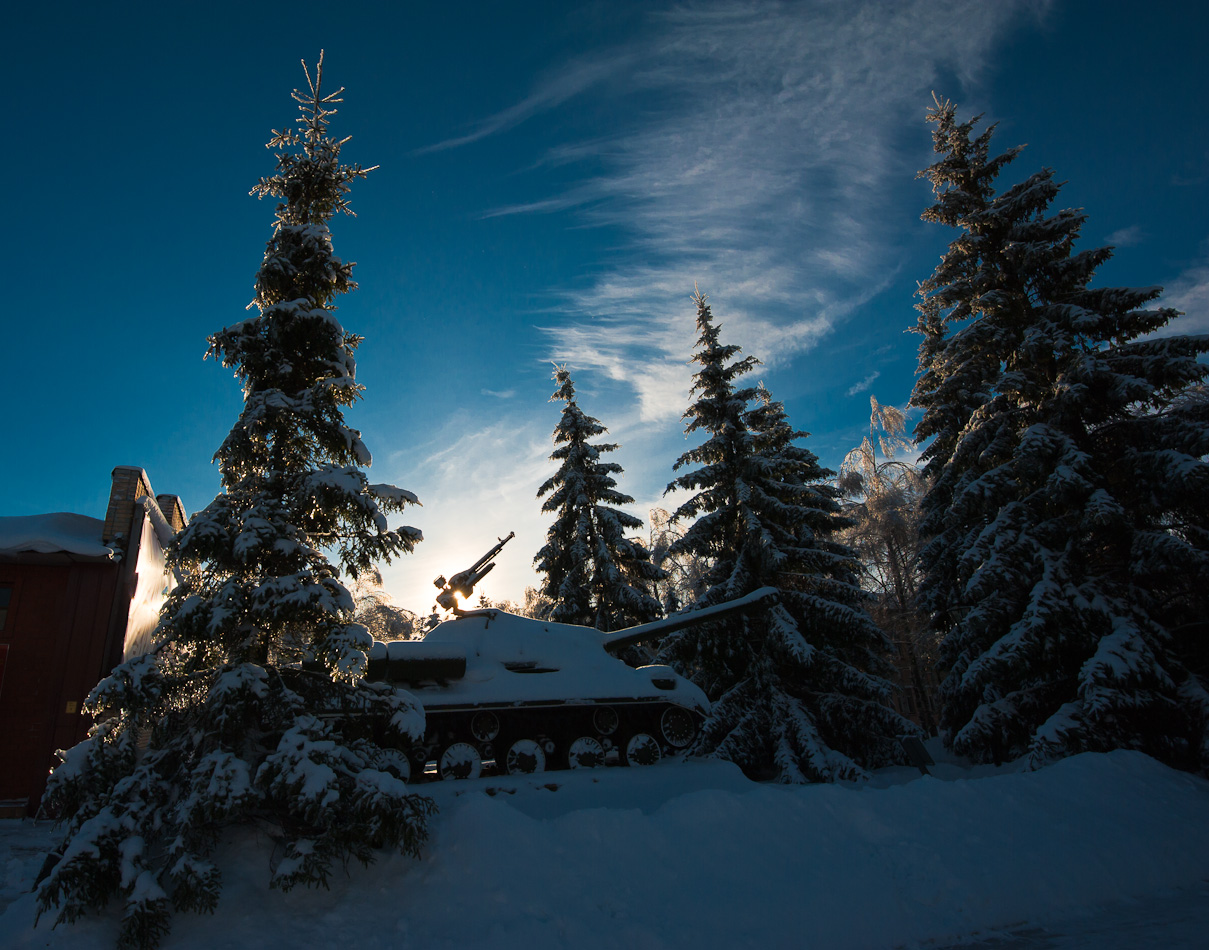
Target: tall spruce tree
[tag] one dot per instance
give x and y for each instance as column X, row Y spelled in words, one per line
column 594, row 574
column 799, row 691
column 234, row 729
column 1065, row 555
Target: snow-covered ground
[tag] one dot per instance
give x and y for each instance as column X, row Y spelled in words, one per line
column 1098, row 851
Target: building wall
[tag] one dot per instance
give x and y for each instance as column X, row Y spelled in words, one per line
column 56, row 630
column 71, row 618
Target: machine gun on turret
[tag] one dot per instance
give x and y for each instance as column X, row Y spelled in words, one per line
column 463, row 582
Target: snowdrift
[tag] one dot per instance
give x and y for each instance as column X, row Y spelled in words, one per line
column 693, row 855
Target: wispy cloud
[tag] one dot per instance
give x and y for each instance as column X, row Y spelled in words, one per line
column 499, row 394
column 553, row 90
column 476, row 484
column 1125, row 237
column 763, row 174
column 479, row 483
column 864, row 384
column 761, row 157
column 1189, row 293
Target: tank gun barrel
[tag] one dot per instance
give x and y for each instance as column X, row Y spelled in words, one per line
column 463, row 582
column 619, row 639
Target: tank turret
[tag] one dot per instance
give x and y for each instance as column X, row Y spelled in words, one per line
column 524, row 695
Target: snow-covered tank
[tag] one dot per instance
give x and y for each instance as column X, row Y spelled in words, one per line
column 533, row 695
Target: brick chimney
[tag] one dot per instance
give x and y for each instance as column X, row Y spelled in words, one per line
column 173, row 509
column 129, row 485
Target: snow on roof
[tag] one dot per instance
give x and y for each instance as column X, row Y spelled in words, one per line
column 61, row 532
column 163, row 530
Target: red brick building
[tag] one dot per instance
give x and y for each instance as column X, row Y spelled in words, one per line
column 77, row 596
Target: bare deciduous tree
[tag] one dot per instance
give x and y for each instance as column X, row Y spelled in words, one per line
column 883, row 494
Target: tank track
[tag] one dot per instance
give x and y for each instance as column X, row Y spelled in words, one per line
column 466, row 742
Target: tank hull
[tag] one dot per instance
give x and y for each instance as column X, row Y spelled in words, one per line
column 512, row 694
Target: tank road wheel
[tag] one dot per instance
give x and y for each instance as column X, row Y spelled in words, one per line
column 641, row 749
column 585, row 753
column 398, row 764
column 605, row 720
column 460, row 760
column 524, row 758
column 485, row 726
column 677, row 726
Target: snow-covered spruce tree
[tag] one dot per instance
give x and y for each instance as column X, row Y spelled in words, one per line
column 954, row 379
column 799, row 690
column 1065, row 555
column 594, row 574
column 221, row 724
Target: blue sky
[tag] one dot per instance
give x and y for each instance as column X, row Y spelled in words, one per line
column 554, row 178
